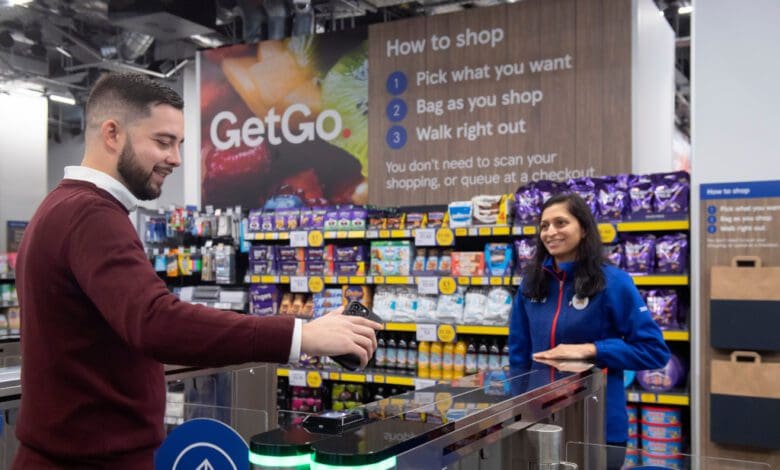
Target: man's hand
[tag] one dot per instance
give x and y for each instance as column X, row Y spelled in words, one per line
column 334, row 334
column 568, row 351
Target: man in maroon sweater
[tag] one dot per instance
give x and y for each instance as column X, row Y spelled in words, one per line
column 98, row 323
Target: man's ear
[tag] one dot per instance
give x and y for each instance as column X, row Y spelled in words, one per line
column 112, row 134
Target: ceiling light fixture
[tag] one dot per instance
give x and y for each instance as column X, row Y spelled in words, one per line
column 62, row 99
column 64, row 52
column 19, row 3
column 206, row 41
column 685, row 10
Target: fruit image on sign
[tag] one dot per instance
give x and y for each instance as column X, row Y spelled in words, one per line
column 284, row 122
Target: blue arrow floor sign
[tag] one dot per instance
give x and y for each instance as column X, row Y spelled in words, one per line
column 202, row 444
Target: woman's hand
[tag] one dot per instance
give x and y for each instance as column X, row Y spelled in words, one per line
column 568, row 351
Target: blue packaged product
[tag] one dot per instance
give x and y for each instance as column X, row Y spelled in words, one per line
column 498, row 259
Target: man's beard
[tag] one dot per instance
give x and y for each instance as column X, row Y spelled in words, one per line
column 137, row 180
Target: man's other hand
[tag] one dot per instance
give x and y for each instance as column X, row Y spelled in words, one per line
column 335, row 334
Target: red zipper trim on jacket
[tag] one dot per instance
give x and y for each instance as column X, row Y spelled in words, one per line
column 557, row 311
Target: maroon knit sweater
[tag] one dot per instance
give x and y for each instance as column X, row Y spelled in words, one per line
column 97, row 323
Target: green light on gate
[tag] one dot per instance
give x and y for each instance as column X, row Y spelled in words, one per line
column 279, row 461
column 383, row 465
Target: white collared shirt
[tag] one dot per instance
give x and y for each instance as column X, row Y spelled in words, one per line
column 113, row 187
column 105, row 182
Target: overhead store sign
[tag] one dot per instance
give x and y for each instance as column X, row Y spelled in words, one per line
column 423, row 111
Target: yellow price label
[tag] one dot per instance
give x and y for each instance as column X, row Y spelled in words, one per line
column 315, row 238
column 313, row 379
column 496, row 281
column 445, row 237
column 446, row 333
column 529, row 230
column 316, row 284
column 608, row 233
column 447, row 285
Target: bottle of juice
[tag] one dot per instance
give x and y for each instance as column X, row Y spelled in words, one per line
column 436, row 360
column 505, row 356
column 471, row 358
column 447, row 361
column 391, row 352
column 423, row 360
column 400, row 361
column 380, row 357
column 482, row 358
column 459, row 360
column 411, row 356
column 494, row 358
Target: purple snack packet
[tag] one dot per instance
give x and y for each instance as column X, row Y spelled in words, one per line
column 255, row 219
column 359, row 216
column 267, row 222
column 351, row 253
column 612, row 199
column 586, row 189
column 671, row 253
column 525, row 250
column 528, row 201
column 548, row 189
column 316, row 268
column 307, row 218
column 289, row 253
column 639, row 253
column 261, row 253
column 663, row 307
column 261, row 268
column 331, row 219
column 350, row 268
column 670, row 192
column 615, row 254
column 640, row 191
column 345, row 215
column 292, row 268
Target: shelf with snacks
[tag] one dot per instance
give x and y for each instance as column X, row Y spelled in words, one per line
column 314, row 377
column 443, row 236
column 639, row 280
column 7, row 277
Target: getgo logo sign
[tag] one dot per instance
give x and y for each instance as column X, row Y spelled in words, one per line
column 254, row 130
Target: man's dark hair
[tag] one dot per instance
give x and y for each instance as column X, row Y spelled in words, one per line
column 127, row 96
column 588, row 274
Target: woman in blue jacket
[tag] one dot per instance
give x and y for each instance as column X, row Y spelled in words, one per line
column 573, row 305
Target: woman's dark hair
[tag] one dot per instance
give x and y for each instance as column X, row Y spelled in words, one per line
column 588, row 275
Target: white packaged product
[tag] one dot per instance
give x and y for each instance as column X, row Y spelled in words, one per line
column 426, row 308
column 406, row 305
column 474, row 311
column 384, row 303
column 450, row 307
column 499, row 306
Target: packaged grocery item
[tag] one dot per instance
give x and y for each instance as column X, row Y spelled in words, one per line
column 525, row 250
column 484, row 209
column 426, row 308
column 414, row 220
column 459, row 213
column 663, row 307
column 639, row 253
column 614, row 254
column 468, row 263
column 586, row 189
column 665, row 378
column 449, row 308
column 498, row 306
column 498, row 259
column 612, row 197
column 670, row 192
column 445, row 263
column 360, row 294
column 406, row 305
column 475, row 303
column 640, row 193
column 671, row 253
column 528, row 202
column 384, row 303
column 432, row 262
column 436, row 219
column 351, row 253
column 418, row 264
